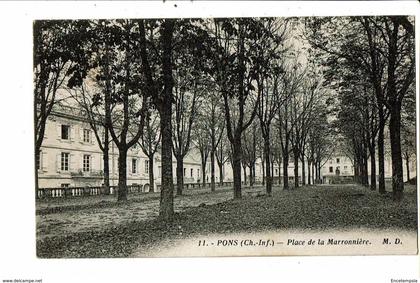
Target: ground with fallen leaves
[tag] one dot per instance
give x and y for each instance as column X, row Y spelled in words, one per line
column 101, row 227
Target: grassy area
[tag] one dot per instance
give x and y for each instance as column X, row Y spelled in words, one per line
column 316, row 208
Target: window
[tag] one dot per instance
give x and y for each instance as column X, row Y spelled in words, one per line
column 192, row 172
column 338, row 160
column 65, row 185
column 146, row 166
column 345, row 167
column 86, row 163
column 65, row 161
column 331, row 169
column 86, row 135
column 198, row 173
column 185, row 172
column 277, row 171
column 65, row 132
column 134, row 166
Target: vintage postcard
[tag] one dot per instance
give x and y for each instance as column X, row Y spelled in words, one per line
column 213, row 141
column 225, row 136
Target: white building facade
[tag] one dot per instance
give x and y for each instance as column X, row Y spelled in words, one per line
column 71, row 157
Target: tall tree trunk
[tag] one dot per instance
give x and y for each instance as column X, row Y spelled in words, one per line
column 272, row 171
column 268, row 186
column 220, row 173
column 407, row 165
column 296, row 169
column 381, row 157
column 303, row 170
column 397, row 164
column 212, row 169
column 179, row 175
column 285, row 171
column 151, row 174
column 106, row 163
column 37, row 161
column 166, row 209
column 356, row 172
column 263, row 169
column 313, row 172
column 309, row 172
column 203, row 172
column 365, row 167
column 251, row 177
column 236, row 166
column 39, row 133
column 253, row 173
column 122, row 174
column 372, row 167
column 318, row 168
column 244, row 167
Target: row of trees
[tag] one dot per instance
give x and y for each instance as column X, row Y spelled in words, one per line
column 370, row 62
column 227, row 87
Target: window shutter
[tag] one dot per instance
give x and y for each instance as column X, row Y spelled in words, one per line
column 92, row 137
column 58, row 162
column 44, row 161
column 81, row 134
column 129, row 172
column 92, row 162
column 72, row 162
column 72, row 130
column 138, row 166
column 101, row 162
column 59, row 131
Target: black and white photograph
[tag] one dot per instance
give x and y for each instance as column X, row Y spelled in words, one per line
column 167, row 138
column 225, row 136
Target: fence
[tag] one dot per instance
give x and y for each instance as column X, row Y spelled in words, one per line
column 68, row 192
column 201, row 185
column 64, row 192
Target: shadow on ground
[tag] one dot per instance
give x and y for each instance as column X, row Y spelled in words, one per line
column 307, row 208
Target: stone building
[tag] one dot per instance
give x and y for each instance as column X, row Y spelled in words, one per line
column 71, row 157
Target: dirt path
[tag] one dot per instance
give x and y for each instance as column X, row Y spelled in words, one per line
column 99, row 218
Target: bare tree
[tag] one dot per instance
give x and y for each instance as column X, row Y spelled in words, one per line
column 291, row 81
column 383, row 48
column 269, row 72
column 235, row 40
column 222, row 156
column 150, row 141
column 125, row 101
column 215, row 128
column 90, row 100
column 160, row 88
column 185, row 109
column 203, row 143
column 60, row 58
column 250, row 150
